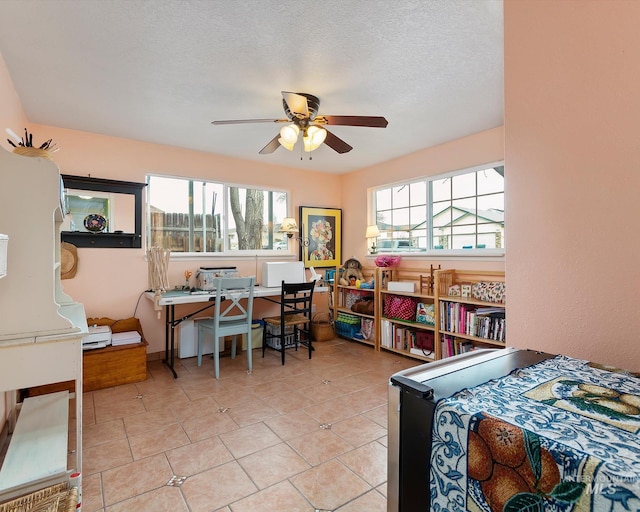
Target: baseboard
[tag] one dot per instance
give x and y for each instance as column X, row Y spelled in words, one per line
column 157, row 356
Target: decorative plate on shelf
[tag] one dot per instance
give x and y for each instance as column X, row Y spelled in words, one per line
column 95, row 223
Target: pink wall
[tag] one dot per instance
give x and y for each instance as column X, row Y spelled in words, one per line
column 572, row 153
column 483, row 147
column 109, row 281
column 571, row 150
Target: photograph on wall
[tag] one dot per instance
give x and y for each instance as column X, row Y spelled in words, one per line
column 322, row 228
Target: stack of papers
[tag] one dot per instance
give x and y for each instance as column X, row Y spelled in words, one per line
column 125, row 338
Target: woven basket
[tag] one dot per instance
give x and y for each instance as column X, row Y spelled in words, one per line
column 321, row 327
column 57, row 498
column 30, row 151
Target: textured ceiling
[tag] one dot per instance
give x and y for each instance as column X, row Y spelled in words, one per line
column 161, row 70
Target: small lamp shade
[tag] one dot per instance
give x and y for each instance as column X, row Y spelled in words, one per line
column 289, row 136
column 314, row 138
column 289, row 225
column 372, row 232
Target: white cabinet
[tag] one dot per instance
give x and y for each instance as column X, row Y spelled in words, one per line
column 4, row 243
column 41, row 327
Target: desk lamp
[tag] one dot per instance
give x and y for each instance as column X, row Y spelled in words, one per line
column 372, row 233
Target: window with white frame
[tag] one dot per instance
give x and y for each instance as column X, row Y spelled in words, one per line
column 456, row 211
column 197, row 216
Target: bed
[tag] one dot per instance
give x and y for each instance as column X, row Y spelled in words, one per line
column 514, row 430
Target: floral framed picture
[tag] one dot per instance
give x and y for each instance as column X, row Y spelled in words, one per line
column 322, row 227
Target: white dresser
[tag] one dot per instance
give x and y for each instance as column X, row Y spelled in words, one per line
column 41, row 330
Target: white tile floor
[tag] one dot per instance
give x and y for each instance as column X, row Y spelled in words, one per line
column 309, row 435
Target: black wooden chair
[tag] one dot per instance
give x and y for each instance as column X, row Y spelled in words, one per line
column 293, row 326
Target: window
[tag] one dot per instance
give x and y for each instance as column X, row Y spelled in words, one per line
column 195, row 216
column 457, row 211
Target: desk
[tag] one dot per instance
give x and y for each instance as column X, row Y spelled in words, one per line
column 170, row 299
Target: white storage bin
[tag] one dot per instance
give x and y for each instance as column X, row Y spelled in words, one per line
column 256, row 336
column 188, row 345
column 289, row 336
column 401, row 286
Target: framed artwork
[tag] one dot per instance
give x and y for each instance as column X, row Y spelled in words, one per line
column 322, row 227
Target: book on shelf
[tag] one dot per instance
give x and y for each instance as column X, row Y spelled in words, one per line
column 489, row 310
column 425, row 313
column 481, row 322
column 452, row 346
column 398, row 337
column 386, row 333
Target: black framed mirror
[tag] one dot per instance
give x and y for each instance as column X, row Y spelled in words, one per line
column 102, row 213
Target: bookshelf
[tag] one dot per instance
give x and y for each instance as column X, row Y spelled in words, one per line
column 352, row 324
column 401, row 335
column 454, row 323
column 471, row 310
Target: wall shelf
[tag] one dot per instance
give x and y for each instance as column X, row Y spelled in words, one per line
column 104, row 240
column 83, row 239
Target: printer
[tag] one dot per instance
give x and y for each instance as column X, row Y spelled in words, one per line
column 274, row 272
column 98, row 336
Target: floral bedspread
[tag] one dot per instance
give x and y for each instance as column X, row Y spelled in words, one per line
column 561, row 435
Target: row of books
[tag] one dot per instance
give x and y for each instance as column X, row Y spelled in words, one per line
column 395, row 336
column 482, row 322
column 452, row 346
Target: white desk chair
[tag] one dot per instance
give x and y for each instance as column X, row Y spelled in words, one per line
column 234, row 319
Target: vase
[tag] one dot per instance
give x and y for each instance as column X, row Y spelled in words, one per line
column 30, row 151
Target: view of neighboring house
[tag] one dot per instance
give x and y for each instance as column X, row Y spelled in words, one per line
column 454, row 227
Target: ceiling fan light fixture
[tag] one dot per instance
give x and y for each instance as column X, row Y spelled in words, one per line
column 285, row 144
column 302, row 112
column 313, row 138
column 289, row 133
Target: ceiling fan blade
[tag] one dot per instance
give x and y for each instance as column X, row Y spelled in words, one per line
column 370, row 121
column 243, row 121
column 297, row 104
column 336, row 143
column 271, row 147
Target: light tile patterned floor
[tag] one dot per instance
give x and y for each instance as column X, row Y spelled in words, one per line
column 309, row 435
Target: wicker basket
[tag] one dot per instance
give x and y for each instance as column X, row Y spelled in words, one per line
column 57, row 498
column 30, row 151
column 321, row 327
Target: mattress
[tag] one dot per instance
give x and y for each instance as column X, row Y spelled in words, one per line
column 513, row 430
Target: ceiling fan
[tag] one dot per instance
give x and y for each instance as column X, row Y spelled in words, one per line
column 301, row 110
